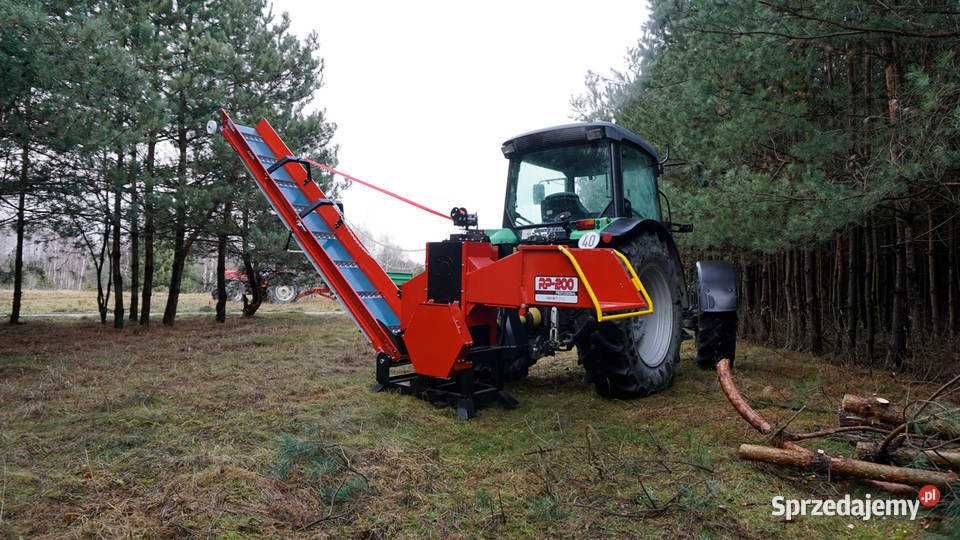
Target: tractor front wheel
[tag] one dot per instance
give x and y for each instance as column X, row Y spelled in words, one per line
column 638, row 356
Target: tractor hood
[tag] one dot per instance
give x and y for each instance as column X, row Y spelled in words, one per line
column 583, row 132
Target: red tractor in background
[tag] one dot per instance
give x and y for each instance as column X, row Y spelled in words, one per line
column 278, row 287
column 284, row 287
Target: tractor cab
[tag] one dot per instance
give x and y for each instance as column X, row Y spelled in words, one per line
column 578, row 177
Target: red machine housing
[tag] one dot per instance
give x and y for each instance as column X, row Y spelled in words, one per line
column 438, row 335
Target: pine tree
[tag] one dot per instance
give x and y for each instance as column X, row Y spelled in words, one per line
column 801, row 124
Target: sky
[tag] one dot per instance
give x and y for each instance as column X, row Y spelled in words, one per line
column 424, row 92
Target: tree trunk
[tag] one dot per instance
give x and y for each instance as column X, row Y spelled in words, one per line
column 180, row 226
column 853, row 310
column 798, row 284
column 810, row 297
column 788, row 296
column 891, row 75
column 222, row 266
column 764, row 299
column 899, row 322
column 256, row 291
column 103, row 293
column 952, row 281
column 148, row 231
column 746, row 286
column 869, row 242
column 21, row 228
column 914, row 307
column 841, row 287
column 134, row 239
column 176, row 277
column 253, row 275
column 115, row 250
column 932, row 288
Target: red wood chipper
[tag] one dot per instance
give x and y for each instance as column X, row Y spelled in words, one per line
column 454, row 333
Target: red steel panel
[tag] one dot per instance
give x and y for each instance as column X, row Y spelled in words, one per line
column 510, row 282
column 437, row 339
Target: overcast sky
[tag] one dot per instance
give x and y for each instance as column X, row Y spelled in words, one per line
column 424, row 93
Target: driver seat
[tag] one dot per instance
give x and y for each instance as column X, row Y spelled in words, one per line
column 565, row 201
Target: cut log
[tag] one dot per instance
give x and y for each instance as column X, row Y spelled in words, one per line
column 821, row 462
column 878, row 411
column 906, row 456
column 875, row 409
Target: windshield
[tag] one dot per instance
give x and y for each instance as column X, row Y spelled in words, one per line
column 559, row 184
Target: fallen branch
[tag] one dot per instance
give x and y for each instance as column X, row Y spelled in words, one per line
column 759, row 423
column 894, row 488
column 833, row 431
column 906, row 456
column 736, row 399
column 821, row 462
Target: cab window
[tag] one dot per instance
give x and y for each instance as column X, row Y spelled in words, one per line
column 639, row 183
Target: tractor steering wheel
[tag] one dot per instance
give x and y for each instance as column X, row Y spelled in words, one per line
column 562, row 206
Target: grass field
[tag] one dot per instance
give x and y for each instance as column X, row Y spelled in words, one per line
column 64, row 305
column 267, row 427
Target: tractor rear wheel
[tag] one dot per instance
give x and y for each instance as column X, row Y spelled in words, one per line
column 638, row 356
column 282, row 294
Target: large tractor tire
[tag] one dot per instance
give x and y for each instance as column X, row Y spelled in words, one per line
column 716, row 338
column 282, row 294
column 638, row 356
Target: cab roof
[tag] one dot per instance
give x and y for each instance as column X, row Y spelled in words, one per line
column 567, row 134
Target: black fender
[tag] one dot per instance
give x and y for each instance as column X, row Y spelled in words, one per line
column 717, row 284
column 625, row 229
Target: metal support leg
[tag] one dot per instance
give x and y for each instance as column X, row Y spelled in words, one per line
column 466, row 406
column 383, row 373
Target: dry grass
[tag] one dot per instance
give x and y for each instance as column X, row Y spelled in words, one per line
column 83, row 304
column 267, row 427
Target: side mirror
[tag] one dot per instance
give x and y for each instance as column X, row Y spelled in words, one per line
column 663, row 160
column 539, row 193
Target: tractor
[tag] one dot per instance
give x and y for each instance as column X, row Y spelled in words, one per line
column 584, row 260
column 278, row 287
column 596, row 184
